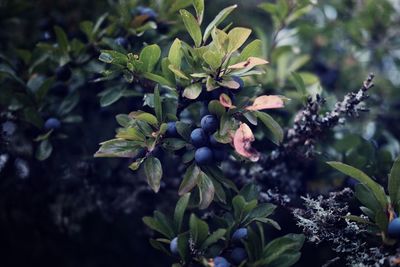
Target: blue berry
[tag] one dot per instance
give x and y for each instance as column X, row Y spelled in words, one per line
column 198, row 137
column 394, row 228
column 203, row 156
column 238, row 255
column 239, row 234
column 52, row 124
column 171, row 130
column 147, row 11
column 221, row 262
column 121, row 41
column 214, row 142
column 173, row 246
column 209, row 123
column 63, row 73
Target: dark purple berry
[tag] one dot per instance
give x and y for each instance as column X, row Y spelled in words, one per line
column 209, row 123
column 203, row 156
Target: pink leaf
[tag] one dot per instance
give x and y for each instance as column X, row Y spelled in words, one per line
column 242, row 143
column 266, row 102
column 249, row 63
column 226, row 101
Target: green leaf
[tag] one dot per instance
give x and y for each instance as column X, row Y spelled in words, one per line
column 184, row 130
column 274, row 128
column 157, row 78
column 155, row 226
column 367, row 197
column 216, row 108
column 130, row 133
column 191, row 26
column 213, row 59
column 144, row 116
column 157, row 104
column 44, row 150
column 68, row 104
column 253, row 49
column 237, row 37
column 113, row 57
column 199, row 7
column 298, row 82
column 261, row 211
column 62, row 39
column 192, row 91
column 394, row 183
column 178, row 72
column 217, row 20
column 363, row 178
column 110, row 96
column 207, row 191
column 190, row 179
column 175, row 53
column 150, row 56
column 180, row 208
column 183, row 245
column 173, row 143
column 213, row 238
column 238, row 203
column 283, row 251
column 153, row 172
column 198, row 230
column 119, row 148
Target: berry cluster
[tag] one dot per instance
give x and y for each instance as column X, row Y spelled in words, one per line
column 208, row 149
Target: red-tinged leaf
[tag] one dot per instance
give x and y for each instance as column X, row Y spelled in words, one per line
column 226, row 101
column 249, row 63
column 242, row 143
column 266, row 102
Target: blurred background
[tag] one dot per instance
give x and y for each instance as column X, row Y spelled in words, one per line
column 59, row 206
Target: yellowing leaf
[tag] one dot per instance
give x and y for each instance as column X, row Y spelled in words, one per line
column 242, row 143
column 266, row 102
column 237, row 37
column 192, row 91
column 250, row 63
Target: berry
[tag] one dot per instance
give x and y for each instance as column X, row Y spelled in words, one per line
column 220, row 154
column 214, row 142
column 394, row 228
column 238, row 255
column 173, row 246
column 171, row 130
column 198, row 137
column 221, row 262
column 209, row 123
column 52, row 124
column 239, row 234
column 203, row 156
column 121, row 41
column 147, row 11
column 240, row 82
column 63, row 73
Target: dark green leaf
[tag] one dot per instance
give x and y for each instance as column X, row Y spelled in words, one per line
column 153, row 171
column 180, row 208
column 157, row 104
column 363, row 178
column 191, row 26
column 274, row 128
column 190, row 179
column 394, row 183
column 198, row 230
column 44, row 150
